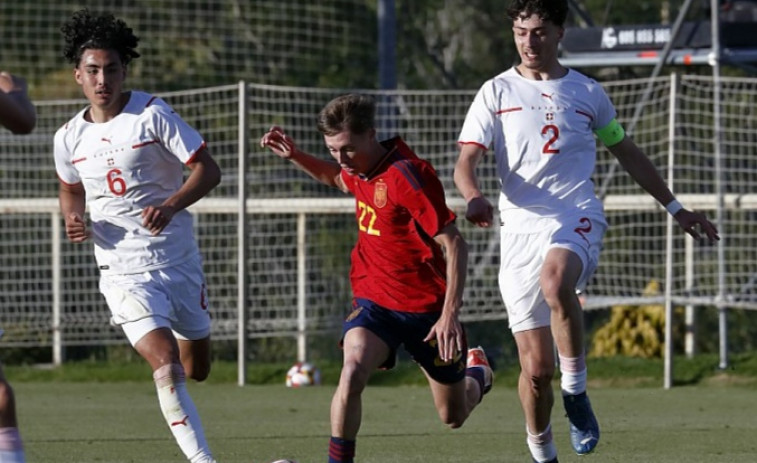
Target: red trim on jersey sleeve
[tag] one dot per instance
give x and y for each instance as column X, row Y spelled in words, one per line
column 194, row 155
column 509, row 110
column 66, row 183
column 78, row 160
column 473, row 143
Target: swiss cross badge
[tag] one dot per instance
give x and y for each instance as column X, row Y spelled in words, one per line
column 550, row 116
column 379, row 194
column 111, row 162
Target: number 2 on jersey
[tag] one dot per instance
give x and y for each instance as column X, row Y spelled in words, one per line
column 116, row 184
column 367, row 213
column 547, row 149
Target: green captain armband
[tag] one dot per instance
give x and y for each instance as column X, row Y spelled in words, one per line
column 612, row 133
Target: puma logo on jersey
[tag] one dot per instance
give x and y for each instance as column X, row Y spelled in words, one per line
column 549, row 97
column 106, row 140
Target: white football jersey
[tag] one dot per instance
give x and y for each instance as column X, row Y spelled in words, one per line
column 541, row 132
column 133, row 161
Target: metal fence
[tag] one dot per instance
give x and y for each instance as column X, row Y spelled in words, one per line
column 276, row 244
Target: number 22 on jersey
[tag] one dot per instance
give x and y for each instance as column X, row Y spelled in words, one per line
column 367, row 219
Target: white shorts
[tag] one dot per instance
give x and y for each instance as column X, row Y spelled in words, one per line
column 522, row 258
column 173, row 297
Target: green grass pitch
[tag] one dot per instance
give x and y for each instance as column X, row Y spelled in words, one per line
column 120, row 422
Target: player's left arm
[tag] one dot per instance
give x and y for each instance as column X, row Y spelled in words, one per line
column 643, row 171
column 448, row 330
column 204, row 177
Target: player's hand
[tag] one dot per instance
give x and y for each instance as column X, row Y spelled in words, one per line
column 480, row 212
column 76, row 228
column 10, row 83
column 449, row 336
column 279, row 142
column 688, row 220
column 156, row 218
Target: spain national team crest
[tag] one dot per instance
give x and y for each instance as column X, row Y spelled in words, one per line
column 380, row 194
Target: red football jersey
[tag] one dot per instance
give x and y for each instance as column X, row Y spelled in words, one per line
column 399, row 207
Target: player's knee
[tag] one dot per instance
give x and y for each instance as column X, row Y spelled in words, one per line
column 198, row 371
column 539, row 377
column 454, row 418
column 199, row 375
column 556, row 294
column 354, row 377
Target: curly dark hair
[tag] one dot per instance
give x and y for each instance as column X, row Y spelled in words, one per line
column 86, row 31
column 554, row 11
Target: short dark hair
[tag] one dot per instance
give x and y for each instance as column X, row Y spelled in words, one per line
column 86, row 31
column 554, row 11
column 353, row 112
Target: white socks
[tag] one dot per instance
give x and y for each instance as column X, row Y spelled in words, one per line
column 572, row 375
column 541, row 445
column 572, row 382
column 180, row 413
column 11, row 447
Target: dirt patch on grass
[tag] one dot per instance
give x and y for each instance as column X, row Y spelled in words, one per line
column 637, row 381
column 726, row 379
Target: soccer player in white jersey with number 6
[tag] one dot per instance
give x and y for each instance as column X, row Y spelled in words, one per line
column 123, row 156
column 540, row 120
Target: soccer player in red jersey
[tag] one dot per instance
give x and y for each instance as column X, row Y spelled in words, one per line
column 18, row 115
column 405, row 290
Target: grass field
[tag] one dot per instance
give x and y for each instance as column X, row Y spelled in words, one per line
column 120, row 422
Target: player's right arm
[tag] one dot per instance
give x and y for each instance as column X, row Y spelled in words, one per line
column 480, row 210
column 17, row 113
column 326, row 172
column 72, row 199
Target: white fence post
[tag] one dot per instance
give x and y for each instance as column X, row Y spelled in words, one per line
column 302, row 252
column 668, row 373
column 242, row 239
column 58, row 356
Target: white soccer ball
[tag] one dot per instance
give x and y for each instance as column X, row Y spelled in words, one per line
column 284, row 461
column 303, row 374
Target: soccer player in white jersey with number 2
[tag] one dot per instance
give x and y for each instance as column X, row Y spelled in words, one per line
column 540, row 120
column 123, row 155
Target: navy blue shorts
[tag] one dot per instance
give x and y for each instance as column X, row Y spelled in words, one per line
column 408, row 328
